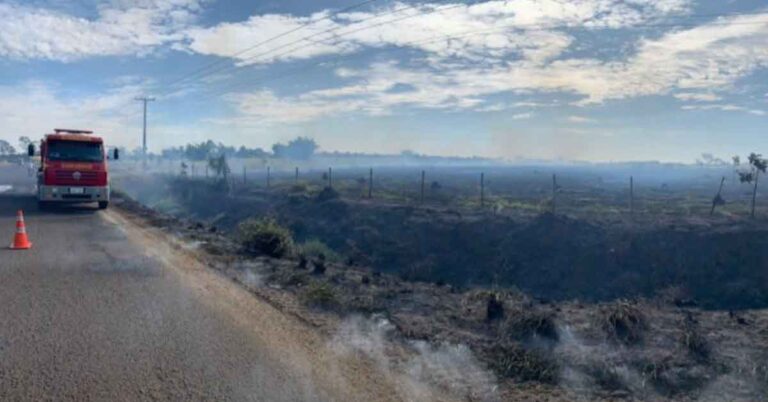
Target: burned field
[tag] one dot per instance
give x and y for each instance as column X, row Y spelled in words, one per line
column 588, row 299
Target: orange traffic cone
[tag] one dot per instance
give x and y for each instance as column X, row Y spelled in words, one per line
column 20, row 240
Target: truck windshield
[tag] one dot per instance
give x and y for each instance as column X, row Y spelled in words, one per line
column 75, row 151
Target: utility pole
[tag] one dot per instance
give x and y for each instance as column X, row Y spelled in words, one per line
column 370, row 183
column 144, row 100
column 482, row 190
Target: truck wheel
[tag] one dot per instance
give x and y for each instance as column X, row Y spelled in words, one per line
column 103, row 204
column 43, row 205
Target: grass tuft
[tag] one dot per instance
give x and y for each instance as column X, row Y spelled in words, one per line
column 622, row 321
column 265, row 237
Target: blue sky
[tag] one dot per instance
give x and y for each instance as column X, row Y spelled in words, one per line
column 596, row 80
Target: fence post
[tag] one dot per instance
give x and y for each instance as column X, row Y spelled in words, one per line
column 554, row 193
column 296, row 177
column 423, row 174
column 206, row 171
column 330, row 177
column 482, row 190
column 631, row 196
column 370, row 183
column 244, row 177
column 269, row 171
column 718, row 198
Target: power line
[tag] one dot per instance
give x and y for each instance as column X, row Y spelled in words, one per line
column 512, row 26
column 268, row 40
column 440, row 38
column 330, row 30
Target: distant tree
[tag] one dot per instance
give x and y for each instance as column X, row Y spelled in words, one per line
column 298, row 148
column 173, row 153
column 757, row 164
column 24, row 142
column 710, row 160
column 219, row 165
column 6, row 148
column 244, row 152
column 200, row 152
column 736, row 165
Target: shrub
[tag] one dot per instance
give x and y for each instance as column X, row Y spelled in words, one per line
column 290, row 278
column 299, row 188
column 623, row 321
column 695, row 343
column 319, row 265
column 606, row 376
column 510, row 360
column 265, row 237
column 487, row 304
column 319, row 294
column 326, row 194
column 314, row 248
column 494, row 309
column 529, row 323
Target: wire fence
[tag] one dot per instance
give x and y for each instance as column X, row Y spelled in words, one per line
column 515, row 190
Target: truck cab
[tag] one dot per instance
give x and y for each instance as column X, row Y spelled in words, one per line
column 73, row 168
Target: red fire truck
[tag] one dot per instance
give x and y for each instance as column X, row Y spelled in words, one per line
column 73, row 168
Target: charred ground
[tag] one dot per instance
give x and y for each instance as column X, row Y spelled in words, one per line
column 556, row 306
column 715, row 262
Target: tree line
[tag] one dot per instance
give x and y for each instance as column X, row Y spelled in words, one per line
column 297, row 148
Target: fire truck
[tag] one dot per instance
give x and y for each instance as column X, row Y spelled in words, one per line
column 73, row 168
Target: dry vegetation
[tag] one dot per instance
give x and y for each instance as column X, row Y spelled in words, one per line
column 639, row 333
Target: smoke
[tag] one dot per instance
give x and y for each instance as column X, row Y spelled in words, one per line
column 747, row 378
column 590, row 367
column 452, row 367
column 422, row 371
column 251, row 279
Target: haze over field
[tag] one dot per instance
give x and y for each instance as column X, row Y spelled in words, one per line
column 591, row 80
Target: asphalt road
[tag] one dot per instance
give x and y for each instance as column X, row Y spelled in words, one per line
column 89, row 314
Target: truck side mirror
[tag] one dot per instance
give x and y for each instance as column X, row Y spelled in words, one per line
column 31, row 149
column 116, row 153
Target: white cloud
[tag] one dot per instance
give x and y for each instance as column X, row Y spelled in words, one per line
column 495, row 107
column 121, row 28
column 23, row 107
column 264, row 107
column 696, row 96
column 580, row 119
column 522, row 116
column 698, row 60
column 497, row 47
column 725, row 108
column 488, row 30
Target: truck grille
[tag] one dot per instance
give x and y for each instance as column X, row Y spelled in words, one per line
column 76, row 196
column 67, row 177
